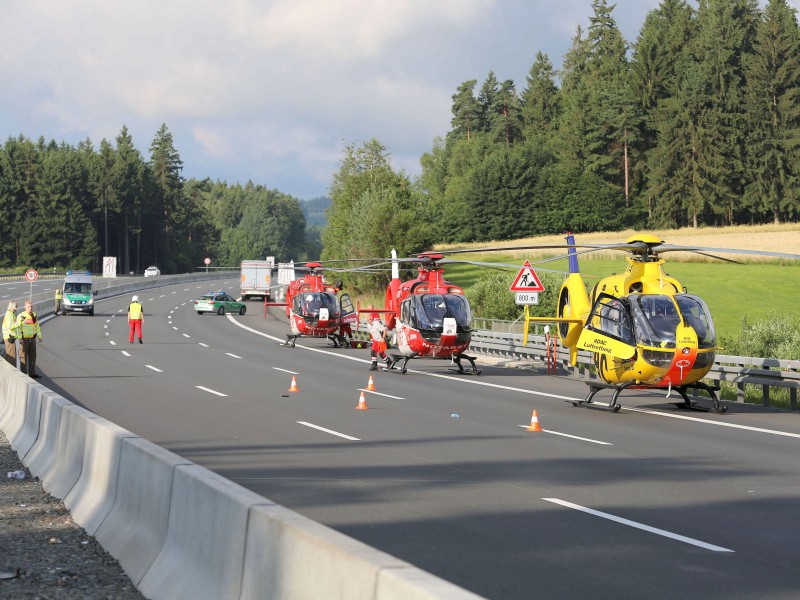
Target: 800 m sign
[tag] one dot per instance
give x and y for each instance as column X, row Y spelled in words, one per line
column 527, row 298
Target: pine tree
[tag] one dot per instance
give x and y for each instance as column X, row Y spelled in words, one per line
column 539, row 100
column 773, row 107
column 466, row 111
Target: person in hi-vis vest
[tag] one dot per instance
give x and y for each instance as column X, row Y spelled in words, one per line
column 28, row 330
column 135, row 318
column 10, row 333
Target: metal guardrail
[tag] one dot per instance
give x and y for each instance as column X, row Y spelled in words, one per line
column 740, row 371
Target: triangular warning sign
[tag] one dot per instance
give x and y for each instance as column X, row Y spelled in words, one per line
column 527, row 280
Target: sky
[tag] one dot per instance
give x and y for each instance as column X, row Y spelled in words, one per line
column 270, row 91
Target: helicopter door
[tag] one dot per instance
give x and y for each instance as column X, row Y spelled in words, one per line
column 348, row 311
column 609, row 330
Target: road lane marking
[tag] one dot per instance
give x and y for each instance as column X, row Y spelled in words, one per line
column 175, row 328
column 286, row 371
column 718, row 423
column 112, row 342
column 379, row 394
column 331, row 431
column 156, row 369
column 125, row 353
column 186, row 335
column 662, row 532
column 210, row 391
column 202, row 344
column 233, row 355
column 576, row 437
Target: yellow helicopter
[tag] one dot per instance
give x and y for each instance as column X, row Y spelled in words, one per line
column 642, row 327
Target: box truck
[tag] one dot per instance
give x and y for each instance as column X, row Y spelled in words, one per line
column 257, row 278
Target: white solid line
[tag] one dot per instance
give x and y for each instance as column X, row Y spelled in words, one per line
column 286, row 371
column 576, row 437
column 233, row 355
column 718, row 423
column 668, row 534
column 202, row 344
column 186, row 335
column 379, row 394
column 205, row 389
column 516, row 389
column 126, row 353
column 154, row 368
column 331, row 431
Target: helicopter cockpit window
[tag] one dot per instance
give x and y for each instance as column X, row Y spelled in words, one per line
column 308, row 304
column 432, row 309
column 697, row 316
column 610, row 317
column 656, row 318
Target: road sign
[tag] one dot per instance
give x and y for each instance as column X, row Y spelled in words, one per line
column 527, row 280
column 207, row 261
column 527, row 298
column 31, row 275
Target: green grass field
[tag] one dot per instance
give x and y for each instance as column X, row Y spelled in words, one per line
column 731, row 291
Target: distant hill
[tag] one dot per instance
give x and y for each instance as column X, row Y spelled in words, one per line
column 314, row 211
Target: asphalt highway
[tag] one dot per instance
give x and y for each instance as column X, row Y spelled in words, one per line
column 652, row 502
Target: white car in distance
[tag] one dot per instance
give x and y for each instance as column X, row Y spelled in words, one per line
column 151, row 272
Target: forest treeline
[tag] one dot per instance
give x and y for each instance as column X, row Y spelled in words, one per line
column 696, row 123
column 67, row 207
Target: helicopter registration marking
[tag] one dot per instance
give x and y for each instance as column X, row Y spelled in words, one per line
column 642, row 526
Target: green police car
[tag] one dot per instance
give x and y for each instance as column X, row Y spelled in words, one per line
column 218, row 302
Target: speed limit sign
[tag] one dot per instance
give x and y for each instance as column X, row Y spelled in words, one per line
column 31, row 275
column 207, row 261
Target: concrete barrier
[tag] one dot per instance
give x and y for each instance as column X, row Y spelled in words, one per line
column 25, row 437
column 91, row 498
column 205, row 538
column 42, row 453
column 135, row 530
column 291, row 556
column 64, row 469
column 12, row 412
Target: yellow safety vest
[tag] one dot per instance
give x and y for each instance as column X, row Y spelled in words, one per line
column 9, row 326
column 135, row 311
column 58, row 293
column 28, row 325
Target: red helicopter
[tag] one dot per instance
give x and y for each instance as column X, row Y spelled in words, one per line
column 315, row 308
column 430, row 315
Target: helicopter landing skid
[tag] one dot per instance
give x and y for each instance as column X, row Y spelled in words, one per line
column 460, row 370
column 396, row 358
column 594, row 387
column 688, row 404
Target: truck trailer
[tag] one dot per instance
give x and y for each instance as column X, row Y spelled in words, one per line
column 257, row 278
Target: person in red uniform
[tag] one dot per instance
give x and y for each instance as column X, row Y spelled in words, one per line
column 377, row 331
column 135, row 318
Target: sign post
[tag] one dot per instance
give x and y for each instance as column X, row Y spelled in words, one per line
column 527, row 285
column 208, row 262
column 31, row 275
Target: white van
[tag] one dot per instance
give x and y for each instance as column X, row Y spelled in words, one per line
column 77, row 293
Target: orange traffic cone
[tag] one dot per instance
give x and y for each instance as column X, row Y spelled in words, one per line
column 293, row 387
column 362, row 402
column 534, row 426
column 371, row 385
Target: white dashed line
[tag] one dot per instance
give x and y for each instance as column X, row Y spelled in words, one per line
column 575, row 437
column 186, row 335
column 233, row 355
column 210, row 391
column 286, row 371
column 125, row 353
column 641, row 526
column 112, row 342
column 379, row 394
column 331, row 431
column 202, row 344
column 156, row 369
